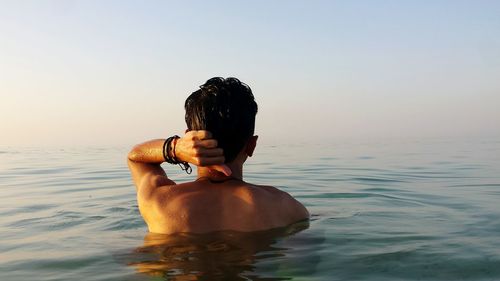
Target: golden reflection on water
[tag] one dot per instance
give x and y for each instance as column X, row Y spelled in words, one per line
column 225, row 255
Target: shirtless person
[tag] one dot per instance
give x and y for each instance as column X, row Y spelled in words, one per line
column 220, row 118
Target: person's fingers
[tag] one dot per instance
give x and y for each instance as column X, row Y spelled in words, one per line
column 222, row 168
column 209, row 161
column 209, row 152
column 202, row 134
column 189, row 134
column 210, row 143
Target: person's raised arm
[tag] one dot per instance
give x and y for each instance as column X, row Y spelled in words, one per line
column 195, row 147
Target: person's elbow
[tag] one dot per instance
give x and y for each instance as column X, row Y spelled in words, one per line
column 134, row 155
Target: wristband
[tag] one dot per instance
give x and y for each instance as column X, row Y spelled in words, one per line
column 170, row 156
column 167, row 147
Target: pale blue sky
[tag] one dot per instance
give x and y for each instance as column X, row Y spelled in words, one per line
column 118, row 72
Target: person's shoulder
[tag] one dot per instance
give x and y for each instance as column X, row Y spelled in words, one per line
column 163, row 191
column 150, row 186
column 268, row 189
column 284, row 200
column 273, row 191
column 168, row 197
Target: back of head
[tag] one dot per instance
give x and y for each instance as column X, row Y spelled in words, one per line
column 226, row 108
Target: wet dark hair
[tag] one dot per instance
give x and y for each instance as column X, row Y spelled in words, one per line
column 226, row 108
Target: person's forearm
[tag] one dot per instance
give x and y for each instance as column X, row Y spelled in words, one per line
column 195, row 147
column 148, row 152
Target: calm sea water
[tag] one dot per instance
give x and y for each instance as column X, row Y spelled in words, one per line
column 395, row 210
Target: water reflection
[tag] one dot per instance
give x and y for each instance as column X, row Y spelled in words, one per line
column 224, row 255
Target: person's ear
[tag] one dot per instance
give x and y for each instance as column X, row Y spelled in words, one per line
column 251, row 144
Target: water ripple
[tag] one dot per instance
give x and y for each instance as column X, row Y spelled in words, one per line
column 412, row 211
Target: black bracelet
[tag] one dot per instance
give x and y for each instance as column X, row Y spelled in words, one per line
column 185, row 167
column 165, row 155
column 170, row 156
column 166, row 150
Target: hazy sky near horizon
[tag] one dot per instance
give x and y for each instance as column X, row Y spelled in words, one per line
column 118, row 72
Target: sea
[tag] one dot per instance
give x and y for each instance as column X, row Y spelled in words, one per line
column 414, row 209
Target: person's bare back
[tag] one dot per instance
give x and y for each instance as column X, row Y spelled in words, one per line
column 219, row 199
column 205, row 206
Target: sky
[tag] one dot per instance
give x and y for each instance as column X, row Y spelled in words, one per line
column 118, row 72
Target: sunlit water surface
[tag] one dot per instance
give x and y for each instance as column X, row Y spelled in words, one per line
column 394, row 210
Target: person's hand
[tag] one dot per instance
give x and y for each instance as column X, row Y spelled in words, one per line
column 200, row 149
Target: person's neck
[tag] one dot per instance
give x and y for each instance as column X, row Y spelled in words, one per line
column 211, row 174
